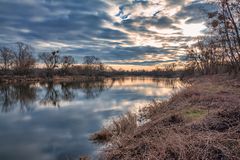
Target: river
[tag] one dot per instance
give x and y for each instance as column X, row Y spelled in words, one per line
column 53, row 121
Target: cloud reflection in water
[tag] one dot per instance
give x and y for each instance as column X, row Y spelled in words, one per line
column 53, row 121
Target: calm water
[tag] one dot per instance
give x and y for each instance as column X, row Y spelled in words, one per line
column 53, row 121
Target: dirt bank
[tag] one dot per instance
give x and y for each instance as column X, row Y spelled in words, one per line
column 200, row 122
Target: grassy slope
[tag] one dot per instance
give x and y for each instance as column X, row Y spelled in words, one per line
column 201, row 122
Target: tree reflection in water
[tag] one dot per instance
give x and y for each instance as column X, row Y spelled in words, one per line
column 6, row 98
column 21, row 95
column 53, row 94
column 168, row 82
column 92, row 89
column 56, row 93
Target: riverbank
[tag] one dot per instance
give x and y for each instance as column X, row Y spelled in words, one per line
column 200, row 122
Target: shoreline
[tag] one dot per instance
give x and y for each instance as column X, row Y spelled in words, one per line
column 10, row 79
column 200, row 122
column 35, row 79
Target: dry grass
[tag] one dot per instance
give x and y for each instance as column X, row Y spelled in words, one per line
column 202, row 122
column 84, row 158
column 121, row 126
column 102, row 136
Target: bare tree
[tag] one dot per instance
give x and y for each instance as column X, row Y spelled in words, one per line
column 23, row 57
column 170, row 67
column 51, row 59
column 67, row 62
column 6, row 58
column 219, row 50
column 225, row 25
column 93, row 65
column 91, row 60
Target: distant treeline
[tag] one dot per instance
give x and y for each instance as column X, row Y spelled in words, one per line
column 219, row 50
column 21, row 61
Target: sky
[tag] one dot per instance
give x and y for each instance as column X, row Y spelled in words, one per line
column 120, row 32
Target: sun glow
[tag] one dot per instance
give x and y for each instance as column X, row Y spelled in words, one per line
column 193, row 29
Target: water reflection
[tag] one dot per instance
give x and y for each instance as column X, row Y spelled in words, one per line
column 54, row 95
column 53, row 120
column 17, row 95
column 24, row 95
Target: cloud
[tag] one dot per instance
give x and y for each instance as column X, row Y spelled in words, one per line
column 195, row 12
column 110, row 29
column 176, row 2
column 108, row 33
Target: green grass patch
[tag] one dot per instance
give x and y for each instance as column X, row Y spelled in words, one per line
column 195, row 113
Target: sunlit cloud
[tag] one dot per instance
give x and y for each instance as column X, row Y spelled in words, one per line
column 193, row 30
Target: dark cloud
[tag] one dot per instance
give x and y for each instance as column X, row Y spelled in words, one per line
column 162, row 22
column 123, row 53
column 107, row 33
column 175, row 2
column 51, row 20
column 141, row 24
column 196, row 11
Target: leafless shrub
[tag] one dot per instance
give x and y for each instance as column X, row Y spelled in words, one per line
column 124, row 125
column 103, row 136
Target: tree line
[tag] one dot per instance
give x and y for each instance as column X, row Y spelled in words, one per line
column 21, row 61
column 219, row 50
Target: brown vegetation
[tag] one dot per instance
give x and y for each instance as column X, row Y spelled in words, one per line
column 201, row 122
column 124, row 125
column 19, row 61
